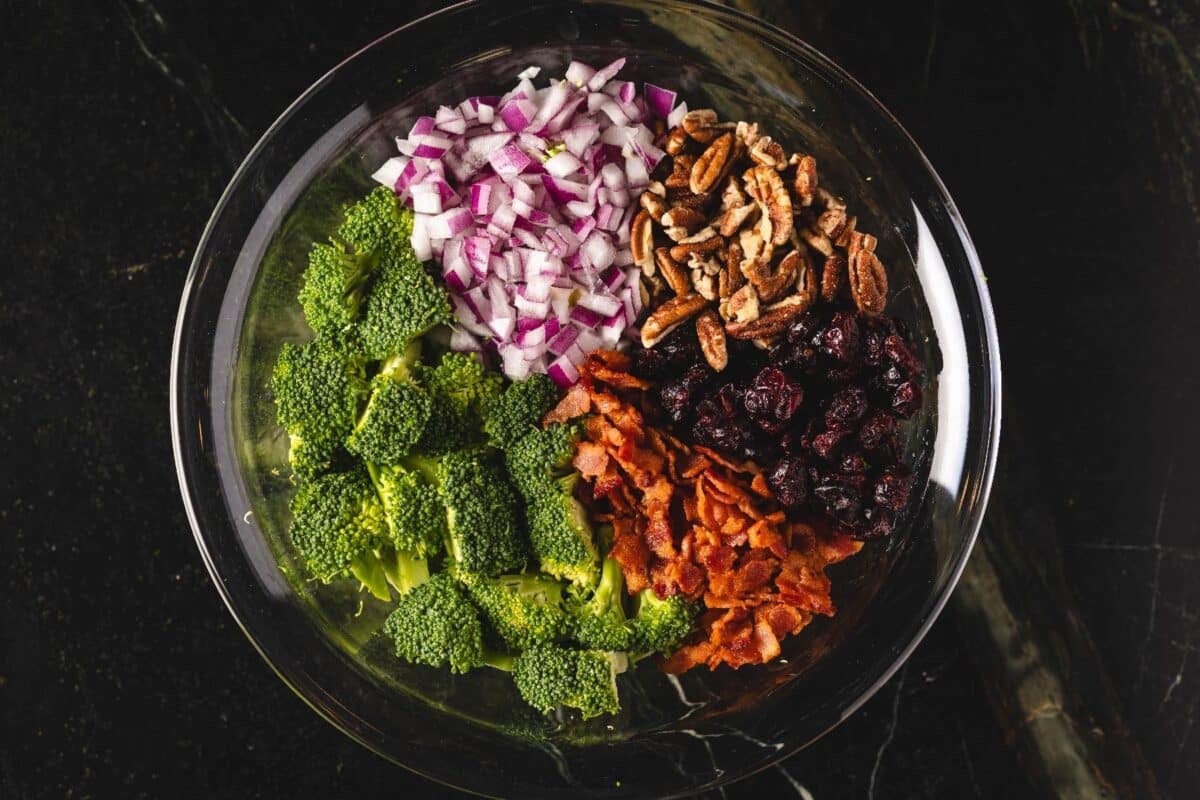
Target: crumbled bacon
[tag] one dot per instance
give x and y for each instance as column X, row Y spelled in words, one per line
column 689, row 521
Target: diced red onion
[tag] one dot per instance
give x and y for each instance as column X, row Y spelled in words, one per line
column 518, row 114
column 676, row 116
column 660, row 100
column 604, row 75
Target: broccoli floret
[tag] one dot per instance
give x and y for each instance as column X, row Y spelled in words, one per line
column 660, row 625
column 550, row 676
column 524, row 609
column 317, row 389
column 396, row 414
column 460, row 387
column 481, row 515
column 561, row 534
column 339, row 529
column 519, row 409
column 415, row 515
column 335, row 284
column 600, row 622
column 378, row 223
column 559, row 530
column 435, row 624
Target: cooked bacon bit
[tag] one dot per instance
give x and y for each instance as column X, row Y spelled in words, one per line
column 688, row 521
column 575, row 403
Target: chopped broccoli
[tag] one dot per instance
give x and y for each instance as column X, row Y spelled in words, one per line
column 460, row 388
column 524, row 609
column 414, row 511
column 435, row 624
column 660, row 625
column 317, row 391
column 377, row 224
column 335, row 284
column 601, row 622
column 395, row 415
column 549, row 676
column 481, row 515
column 511, row 415
column 404, row 571
column 559, row 530
column 339, row 529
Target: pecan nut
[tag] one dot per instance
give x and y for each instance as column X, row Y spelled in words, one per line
column 868, row 283
column 712, row 165
column 743, row 306
column 711, row 334
column 771, row 321
column 702, row 125
column 670, row 315
column 833, row 277
column 675, row 275
column 773, row 282
column 735, row 218
column 706, row 241
column 768, row 190
column 805, row 182
column 641, row 242
column 730, row 278
column 676, row 139
column 682, row 216
column 767, row 152
column 817, row 241
column 654, row 205
column 808, row 283
column 682, row 174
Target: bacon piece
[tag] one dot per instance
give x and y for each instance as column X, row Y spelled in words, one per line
column 575, row 403
column 591, row 460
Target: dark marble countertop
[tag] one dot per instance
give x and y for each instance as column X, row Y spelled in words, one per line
column 1068, row 662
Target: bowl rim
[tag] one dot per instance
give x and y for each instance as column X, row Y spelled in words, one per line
column 990, row 411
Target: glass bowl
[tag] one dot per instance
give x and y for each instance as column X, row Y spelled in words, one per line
column 673, row 736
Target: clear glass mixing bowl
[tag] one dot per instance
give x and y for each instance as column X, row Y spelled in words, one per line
column 673, row 736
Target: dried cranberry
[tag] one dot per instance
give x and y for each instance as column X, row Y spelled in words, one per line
column 789, row 480
column 772, row 396
column 720, row 423
column 906, row 400
column 825, row 443
column 878, row 431
column 804, row 329
column 846, row 406
column 680, row 396
column 841, row 339
column 875, row 524
column 839, row 499
column 899, row 353
column 675, row 353
column 872, row 347
column 853, row 463
column 889, row 379
column 797, row 359
column 892, row 489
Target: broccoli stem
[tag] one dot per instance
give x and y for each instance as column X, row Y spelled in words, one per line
column 405, row 571
column 500, row 661
column 370, row 573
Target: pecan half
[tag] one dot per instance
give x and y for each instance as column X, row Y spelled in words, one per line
column 808, row 283
column 844, row 239
column 746, row 132
column 805, row 182
column 730, row 278
column 771, row 321
column 735, row 218
column 833, row 277
column 702, row 125
column 767, row 152
column 641, row 241
column 681, row 176
column 654, row 205
column 868, row 283
column 711, row 334
column 712, row 165
column 773, row 282
column 743, row 306
column 705, row 285
column 832, row 222
column 706, row 241
column 670, row 315
column 817, row 241
column 676, row 139
column 674, row 273
column 683, row 217
column 769, row 192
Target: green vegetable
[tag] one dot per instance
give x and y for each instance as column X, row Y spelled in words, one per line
column 317, row 389
column 459, row 388
column 659, row 626
column 518, row 410
column 436, row 625
column 524, row 609
column 339, row 529
column 378, row 224
column 559, row 530
column 550, row 676
column 483, row 534
column 335, row 284
column 413, row 509
column 600, row 622
column 396, row 414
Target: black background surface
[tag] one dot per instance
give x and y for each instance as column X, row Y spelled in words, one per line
column 1067, row 131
